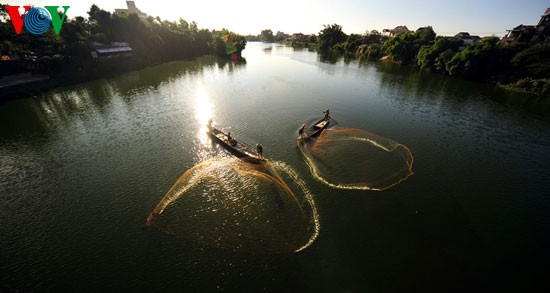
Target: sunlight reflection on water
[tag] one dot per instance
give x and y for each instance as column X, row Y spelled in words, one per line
column 232, row 204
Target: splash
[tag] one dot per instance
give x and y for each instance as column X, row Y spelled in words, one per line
column 233, row 204
column 351, row 158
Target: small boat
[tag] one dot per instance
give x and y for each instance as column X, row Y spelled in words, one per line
column 236, row 148
column 315, row 129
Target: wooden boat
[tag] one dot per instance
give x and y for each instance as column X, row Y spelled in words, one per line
column 315, row 129
column 233, row 146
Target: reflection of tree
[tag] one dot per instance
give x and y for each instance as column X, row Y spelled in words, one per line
column 407, row 84
column 329, row 57
column 153, row 77
column 63, row 105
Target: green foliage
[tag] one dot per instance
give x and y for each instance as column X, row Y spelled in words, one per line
column 441, row 61
column 535, row 61
column 401, row 48
column 483, row 59
column 374, row 37
column 267, row 36
column 151, row 39
column 369, row 51
column 330, row 37
column 351, row 44
column 404, row 47
column 530, row 85
column 434, row 57
column 218, row 43
column 424, row 35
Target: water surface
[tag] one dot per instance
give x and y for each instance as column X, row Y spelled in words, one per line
column 81, row 167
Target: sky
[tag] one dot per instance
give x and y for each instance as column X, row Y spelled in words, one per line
column 447, row 17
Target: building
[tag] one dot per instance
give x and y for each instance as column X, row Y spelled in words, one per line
column 521, row 33
column 401, row 29
column 132, row 9
column 467, row 39
column 530, row 33
column 542, row 33
column 115, row 50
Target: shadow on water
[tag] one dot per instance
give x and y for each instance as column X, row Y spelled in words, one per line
column 410, row 82
column 232, row 204
column 330, row 57
column 151, row 78
column 43, row 114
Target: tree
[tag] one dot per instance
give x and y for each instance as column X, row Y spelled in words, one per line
column 434, row 57
column 330, row 36
column 425, row 35
column 405, row 47
column 267, row 36
column 352, row 42
column 401, row 48
column 280, row 36
column 535, row 61
column 483, row 59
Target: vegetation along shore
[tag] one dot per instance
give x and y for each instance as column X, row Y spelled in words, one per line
column 102, row 45
column 518, row 61
column 105, row 44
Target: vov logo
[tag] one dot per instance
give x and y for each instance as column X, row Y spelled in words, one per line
column 37, row 20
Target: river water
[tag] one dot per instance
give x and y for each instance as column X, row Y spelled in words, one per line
column 81, row 168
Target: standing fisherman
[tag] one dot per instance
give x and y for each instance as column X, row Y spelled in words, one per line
column 260, row 150
column 326, row 112
column 302, row 131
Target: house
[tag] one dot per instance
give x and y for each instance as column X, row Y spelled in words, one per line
column 521, row 33
column 401, row 29
column 115, row 50
column 467, row 39
column 542, row 33
column 131, row 9
column 530, row 33
column 300, row 40
column 462, row 35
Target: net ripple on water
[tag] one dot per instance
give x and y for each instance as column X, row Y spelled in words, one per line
column 230, row 203
column 350, row 158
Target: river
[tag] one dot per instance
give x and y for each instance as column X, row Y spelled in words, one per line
column 82, row 166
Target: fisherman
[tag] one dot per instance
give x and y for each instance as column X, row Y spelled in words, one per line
column 302, row 131
column 230, row 140
column 209, row 124
column 326, row 112
column 260, row 150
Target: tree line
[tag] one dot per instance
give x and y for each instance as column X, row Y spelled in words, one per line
column 524, row 66
column 152, row 40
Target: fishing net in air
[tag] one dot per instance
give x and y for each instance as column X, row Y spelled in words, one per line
column 351, row 158
column 230, row 203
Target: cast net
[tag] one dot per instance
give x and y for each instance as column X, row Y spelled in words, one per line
column 351, row 158
column 233, row 204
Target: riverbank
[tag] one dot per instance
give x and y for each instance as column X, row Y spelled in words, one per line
column 515, row 65
column 89, row 48
column 539, row 87
column 30, row 84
